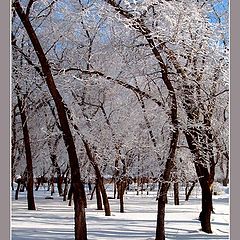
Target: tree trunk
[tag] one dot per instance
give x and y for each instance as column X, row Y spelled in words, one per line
column 70, row 195
column 207, row 208
column 114, row 188
column 52, row 185
column 53, row 157
column 59, row 185
column 65, row 189
column 78, row 187
column 160, row 231
column 121, row 194
column 18, row 187
column 188, row 192
column 66, row 183
column 94, row 189
column 99, row 177
column 121, row 185
column 26, row 139
column 105, row 198
column 176, row 193
column 98, row 196
column 13, row 147
column 37, row 184
column 226, row 178
column 205, row 180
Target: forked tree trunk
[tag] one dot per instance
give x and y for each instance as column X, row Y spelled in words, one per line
column 98, row 196
column 77, row 185
column 53, row 157
column 26, row 139
column 121, row 189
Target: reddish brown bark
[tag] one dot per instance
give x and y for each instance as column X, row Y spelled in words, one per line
column 99, row 177
column 26, row 138
column 77, row 185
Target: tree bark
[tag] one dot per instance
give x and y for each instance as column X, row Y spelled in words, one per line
column 26, row 139
column 18, row 187
column 98, row 196
column 160, row 230
column 78, row 187
column 205, row 180
column 188, row 192
column 121, row 189
column 176, row 193
column 99, row 178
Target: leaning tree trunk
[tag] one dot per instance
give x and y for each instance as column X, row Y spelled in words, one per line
column 98, row 196
column 78, row 187
column 26, row 139
column 13, row 147
column 162, row 198
column 188, row 192
column 99, row 178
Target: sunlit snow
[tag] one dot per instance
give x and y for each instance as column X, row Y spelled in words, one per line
column 53, row 219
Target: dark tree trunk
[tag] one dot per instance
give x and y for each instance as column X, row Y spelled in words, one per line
column 89, row 187
column 59, row 185
column 65, row 189
column 226, row 179
column 225, row 182
column 99, row 177
column 18, row 187
column 160, row 231
column 52, row 185
column 105, row 198
column 188, row 192
column 30, row 196
column 37, row 185
column 77, row 185
column 121, row 194
column 98, row 196
column 205, row 180
column 53, row 157
column 66, row 182
column 13, row 147
column 70, row 194
column 121, row 189
column 176, row 193
column 114, row 188
column 94, row 189
column 207, row 208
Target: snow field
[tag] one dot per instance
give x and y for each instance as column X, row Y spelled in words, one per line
column 53, row 219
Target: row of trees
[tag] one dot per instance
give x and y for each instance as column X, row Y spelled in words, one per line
column 127, row 87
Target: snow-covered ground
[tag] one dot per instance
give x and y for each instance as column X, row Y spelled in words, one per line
column 53, row 219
